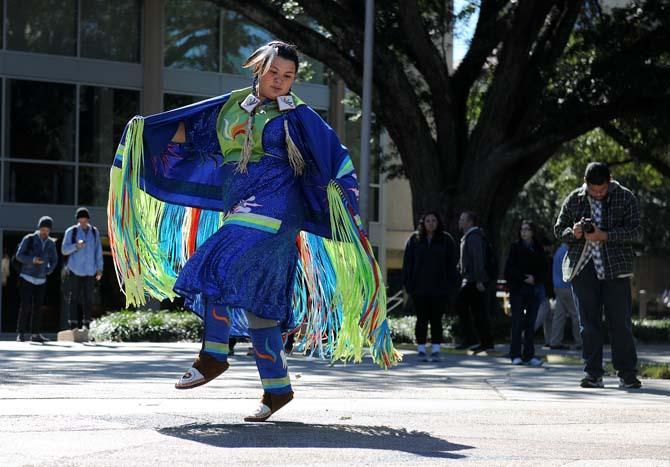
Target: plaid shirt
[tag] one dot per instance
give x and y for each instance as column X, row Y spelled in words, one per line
column 620, row 219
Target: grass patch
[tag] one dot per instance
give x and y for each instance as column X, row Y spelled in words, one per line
column 649, row 370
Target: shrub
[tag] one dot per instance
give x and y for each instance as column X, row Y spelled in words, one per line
column 143, row 325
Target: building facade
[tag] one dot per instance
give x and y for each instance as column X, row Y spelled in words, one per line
column 73, row 72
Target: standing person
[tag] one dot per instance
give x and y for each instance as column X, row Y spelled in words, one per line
column 38, row 257
column 545, row 313
column 525, row 272
column 226, row 187
column 472, row 296
column 565, row 305
column 599, row 221
column 82, row 250
column 5, row 267
column 430, row 277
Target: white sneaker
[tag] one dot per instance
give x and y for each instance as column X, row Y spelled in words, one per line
column 534, row 362
column 516, row 361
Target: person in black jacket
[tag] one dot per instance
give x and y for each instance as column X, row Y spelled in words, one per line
column 525, row 272
column 431, row 278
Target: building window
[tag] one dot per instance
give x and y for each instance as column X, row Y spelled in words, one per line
column 37, row 183
column 174, row 101
column 111, row 30
column 42, row 26
column 352, row 140
column 240, row 39
column 192, row 35
column 41, row 120
column 103, row 114
column 93, row 186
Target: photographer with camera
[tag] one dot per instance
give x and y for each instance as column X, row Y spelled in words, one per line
column 599, row 222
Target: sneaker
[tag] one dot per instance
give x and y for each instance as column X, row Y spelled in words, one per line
column 589, row 381
column 534, row 362
column 630, row 382
column 422, row 356
column 481, row 348
column 464, row 346
column 435, row 357
column 516, row 361
column 38, row 338
column 20, row 337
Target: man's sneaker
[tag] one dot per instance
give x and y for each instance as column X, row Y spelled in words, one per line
column 482, row 348
column 20, row 337
column 589, row 381
column 534, row 362
column 422, row 356
column 435, row 357
column 464, row 346
column 516, row 361
column 630, row 382
column 38, row 338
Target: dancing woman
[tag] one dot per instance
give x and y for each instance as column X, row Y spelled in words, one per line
column 246, row 205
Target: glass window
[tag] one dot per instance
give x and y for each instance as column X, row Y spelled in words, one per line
column 35, row 183
column 103, row 114
column 240, row 39
column 93, row 185
column 174, row 101
column 43, row 26
column 41, row 120
column 111, row 30
column 192, row 35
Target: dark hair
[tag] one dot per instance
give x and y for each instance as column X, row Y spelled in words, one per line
column 534, row 229
column 472, row 216
column 422, row 228
column 597, row 173
column 287, row 51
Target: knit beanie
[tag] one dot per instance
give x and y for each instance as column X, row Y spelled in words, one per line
column 82, row 212
column 45, row 221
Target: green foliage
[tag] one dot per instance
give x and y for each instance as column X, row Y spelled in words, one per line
column 152, row 326
column 541, row 198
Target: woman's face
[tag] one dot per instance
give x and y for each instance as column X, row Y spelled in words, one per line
column 278, row 80
column 430, row 223
column 526, row 232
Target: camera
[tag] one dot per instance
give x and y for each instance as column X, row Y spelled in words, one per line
column 587, row 225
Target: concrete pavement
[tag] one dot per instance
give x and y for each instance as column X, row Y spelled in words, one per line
column 67, row 404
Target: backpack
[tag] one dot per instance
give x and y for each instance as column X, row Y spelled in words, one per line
column 73, row 239
column 14, row 262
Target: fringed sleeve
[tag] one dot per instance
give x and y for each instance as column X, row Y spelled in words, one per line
column 340, row 302
column 157, row 217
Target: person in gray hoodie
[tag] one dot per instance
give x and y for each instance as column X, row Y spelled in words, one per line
column 38, row 257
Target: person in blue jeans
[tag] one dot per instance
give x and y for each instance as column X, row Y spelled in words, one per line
column 525, row 275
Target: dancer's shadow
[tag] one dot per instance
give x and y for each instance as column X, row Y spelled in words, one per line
column 303, row 435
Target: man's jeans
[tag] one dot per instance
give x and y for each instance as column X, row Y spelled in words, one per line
column 80, row 286
column 32, row 297
column 591, row 296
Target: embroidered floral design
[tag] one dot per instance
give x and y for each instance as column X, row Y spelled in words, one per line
column 245, row 205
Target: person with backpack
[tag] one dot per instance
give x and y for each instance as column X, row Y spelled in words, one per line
column 477, row 267
column 525, row 273
column 35, row 259
column 83, row 259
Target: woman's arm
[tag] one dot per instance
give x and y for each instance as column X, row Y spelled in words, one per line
column 180, row 134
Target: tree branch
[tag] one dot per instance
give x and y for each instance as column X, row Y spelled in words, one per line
column 636, row 151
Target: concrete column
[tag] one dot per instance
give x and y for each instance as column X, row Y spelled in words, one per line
column 152, row 56
column 336, row 114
